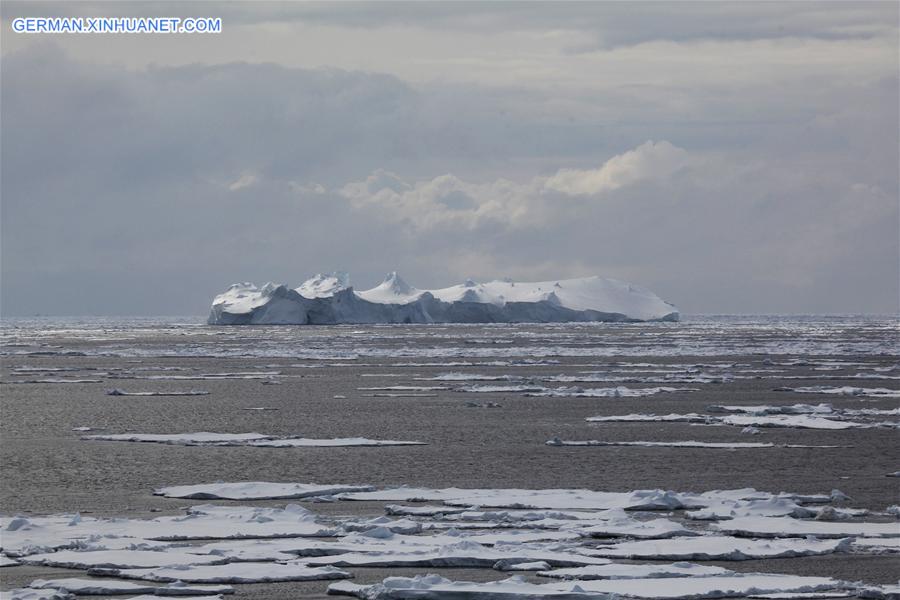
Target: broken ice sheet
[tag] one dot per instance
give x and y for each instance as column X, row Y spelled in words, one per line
column 686, row 444
column 463, row 554
column 789, row 527
column 237, row 572
column 330, row 443
column 801, row 421
column 637, row 417
column 620, row 524
column 877, row 545
column 796, row 421
column 33, row 535
column 426, row 587
column 120, row 392
column 185, row 439
column 257, row 490
column 108, row 587
column 87, row 559
column 566, row 499
column 616, row 392
column 204, row 438
column 768, row 409
column 710, row 547
column 6, row 561
column 845, row 391
column 32, row 594
column 636, row 571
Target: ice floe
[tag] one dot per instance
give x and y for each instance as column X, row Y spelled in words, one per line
column 798, row 421
column 615, row 392
column 33, row 594
column 34, row 535
column 426, row 587
column 107, row 587
column 636, row 571
column 258, row 440
column 844, row 391
column 238, row 572
column 682, row 444
column 120, row 392
column 788, row 527
column 257, row 490
column 182, row 439
column 712, row 547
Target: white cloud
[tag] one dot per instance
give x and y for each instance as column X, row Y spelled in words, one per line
column 244, row 181
column 650, row 160
column 448, row 200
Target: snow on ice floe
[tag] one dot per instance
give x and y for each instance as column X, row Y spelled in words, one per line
column 109, row 587
column 257, row 490
column 712, row 547
column 257, row 440
column 238, row 572
column 325, row 300
column 682, row 444
column 426, row 587
column 845, row 391
column 788, row 527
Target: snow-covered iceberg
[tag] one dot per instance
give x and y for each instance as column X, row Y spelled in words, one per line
column 329, row 299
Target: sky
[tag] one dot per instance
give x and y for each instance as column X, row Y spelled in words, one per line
column 732, row 157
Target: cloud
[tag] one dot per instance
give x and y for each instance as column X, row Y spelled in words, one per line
column 769, row 187
column 244, row 181
column 648, row 161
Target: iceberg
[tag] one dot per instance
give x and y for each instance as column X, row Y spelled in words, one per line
column 329, row 300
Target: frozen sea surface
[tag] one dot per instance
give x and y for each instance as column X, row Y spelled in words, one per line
column 56, row 374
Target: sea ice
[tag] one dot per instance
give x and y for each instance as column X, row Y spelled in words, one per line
column 108, row 587
column 673, row 418
column 76, row 559
column 719, row 548
column 182, row 439
column 119, row 392
column 238, row 572
column 845, row 391
column 257, row 490
column 636, row 571
column 329, row 443
column 259, row 440
column 687, row 444
column 616, row 392
column 427, row 587
column 33, row 594
column 789, row 527
column 463, row 554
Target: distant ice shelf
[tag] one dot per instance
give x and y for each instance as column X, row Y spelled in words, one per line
column 329, row 299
